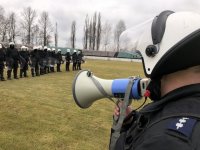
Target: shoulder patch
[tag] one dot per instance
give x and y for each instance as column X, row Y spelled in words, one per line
column 182, row 125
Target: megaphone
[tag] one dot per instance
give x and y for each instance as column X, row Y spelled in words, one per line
column 88, row 88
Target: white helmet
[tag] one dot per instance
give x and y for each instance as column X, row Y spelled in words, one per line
column 1, row 45
column 48, row 49
column 59, row 50
column 170, row 42
column 53, row 49
column 23, row 47
column 45, row 47
column 74, row 51
column 11, row 43
column 68, row 50
column 39, row 47
column 35, row 47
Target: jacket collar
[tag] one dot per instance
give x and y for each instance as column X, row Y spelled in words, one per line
column 177, row 94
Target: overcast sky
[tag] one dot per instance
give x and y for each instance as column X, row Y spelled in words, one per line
column 132, row 12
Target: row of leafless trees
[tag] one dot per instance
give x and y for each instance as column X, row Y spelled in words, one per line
column 92, row 32
column 31, row 28
column 96, row 34
column 36, row 29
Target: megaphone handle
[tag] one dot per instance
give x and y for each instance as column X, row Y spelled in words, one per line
column 116, row 128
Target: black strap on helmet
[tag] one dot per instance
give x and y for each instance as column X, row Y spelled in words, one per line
column 158, row 26
column 157, row 32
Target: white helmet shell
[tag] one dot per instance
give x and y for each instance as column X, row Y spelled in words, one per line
column 39, row 47
column 75, row 51
column 1, row 45
column 11, row 43
column 59, row 50
column 48, row 49
column 45, row 47
column 175, row 50
column 23, row 47
column 68, row 50
column 35, row 47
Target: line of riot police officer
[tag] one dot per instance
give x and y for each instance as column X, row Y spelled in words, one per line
column 41, row 61
column 76, row 58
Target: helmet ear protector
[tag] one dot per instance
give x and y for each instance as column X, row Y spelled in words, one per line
column 157, row 32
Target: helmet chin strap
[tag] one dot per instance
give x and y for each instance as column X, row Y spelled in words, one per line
column 154, row 89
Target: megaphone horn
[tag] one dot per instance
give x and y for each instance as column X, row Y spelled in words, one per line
column 88, row 88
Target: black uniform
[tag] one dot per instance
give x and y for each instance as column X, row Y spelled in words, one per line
column 74, row 60
column 171, row 123
column 45, row 61
column 79, row 61
column 34, row 57
column 52, row 60
column 48, row 61
column 24, row 57
column 59, row 61
column 12, row 62
column 42, row 58
column 68, row 59
column 2, row 60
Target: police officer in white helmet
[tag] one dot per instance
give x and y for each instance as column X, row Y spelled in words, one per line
column 52, row 59
column 170, row 49
column 74, row 60
column 68, row 60
column 12, row 60
column 59, row 60
column 24, row 57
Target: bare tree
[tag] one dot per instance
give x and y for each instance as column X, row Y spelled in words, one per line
column 90, row 35
column 106, row 35
column 45, row 28
column 86, row 33
column 48, row 39
column 2, row 11
column 36, row 35
column 1, row 17
column 56, row 37
column 94, row 30
column 120, row 27
column 73, row 34
column 3, row 24
column 28, row 16
column 99, row 28
column 4, row 29
column 12, row 27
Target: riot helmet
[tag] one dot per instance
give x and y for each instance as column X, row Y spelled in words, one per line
column 12, row 45
column 23, row 48
column 167, row 43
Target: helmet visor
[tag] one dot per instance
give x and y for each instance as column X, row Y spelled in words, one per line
column 130, row 37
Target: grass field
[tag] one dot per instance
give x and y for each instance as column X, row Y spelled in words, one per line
column 40, row 114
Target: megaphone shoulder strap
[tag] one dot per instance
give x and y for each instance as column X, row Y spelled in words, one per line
column 116, row 128
column 100, row 88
